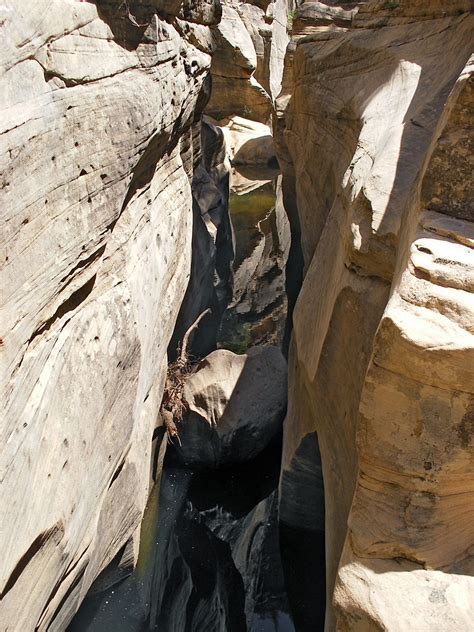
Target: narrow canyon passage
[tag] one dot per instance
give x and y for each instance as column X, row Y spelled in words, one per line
column 210, row 554
column 236, row 316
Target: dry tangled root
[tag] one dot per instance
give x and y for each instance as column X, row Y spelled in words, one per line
column 172, row 405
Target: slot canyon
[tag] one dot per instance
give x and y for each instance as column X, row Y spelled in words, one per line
column 237, row 316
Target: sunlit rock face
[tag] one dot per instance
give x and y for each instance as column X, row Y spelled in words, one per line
column 248, row 65
column 376, row 147
column 98, row 146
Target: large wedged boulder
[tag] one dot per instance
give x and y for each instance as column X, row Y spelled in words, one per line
column 248, row 142
column 236, row 405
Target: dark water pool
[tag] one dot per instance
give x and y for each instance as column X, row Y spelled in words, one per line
column 256, row 313
column 209, row 558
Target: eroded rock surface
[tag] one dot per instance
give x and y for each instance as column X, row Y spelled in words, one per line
column 236, row 405
column 248, row 142
column 377, row 143
column 256, row 313
column 99, row 103
column 248, row 65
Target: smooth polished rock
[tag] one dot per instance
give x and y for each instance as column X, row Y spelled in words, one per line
column 248, row 142
column 375, row 146
column 98, row 109
column 236, row 405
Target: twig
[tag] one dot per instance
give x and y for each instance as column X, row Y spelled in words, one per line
column 130, row 16
column 171, row 429
column 184, row 348
column 172, row 405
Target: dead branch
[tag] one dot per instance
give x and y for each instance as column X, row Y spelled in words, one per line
column 130, row 16
column 172, row 404
column 184, row 349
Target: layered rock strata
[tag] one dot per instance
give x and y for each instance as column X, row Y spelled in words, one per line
column 99, row 141
column 377, row 150
column 248, row 65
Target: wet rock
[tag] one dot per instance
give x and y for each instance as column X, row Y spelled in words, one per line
column 209, row 561
column 236, row 405
column 256, row 313
column 254, row 546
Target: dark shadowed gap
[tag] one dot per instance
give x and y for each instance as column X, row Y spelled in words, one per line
column 209, row 553
column 302, row 539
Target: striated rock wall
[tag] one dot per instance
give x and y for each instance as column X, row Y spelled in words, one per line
column 100, row 107
column 378, row 149
column 248, row 65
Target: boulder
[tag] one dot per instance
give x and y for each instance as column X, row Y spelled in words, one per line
column 236, row 404
column 248, row 142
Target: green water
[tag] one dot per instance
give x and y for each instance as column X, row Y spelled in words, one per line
column 256, row 313
column 246, row 211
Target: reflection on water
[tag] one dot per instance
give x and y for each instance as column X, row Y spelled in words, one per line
column 247, row 211
column 256, row 313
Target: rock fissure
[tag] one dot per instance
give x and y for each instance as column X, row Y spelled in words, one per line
column 69, row 305
column 225, row 170
column 55, row 532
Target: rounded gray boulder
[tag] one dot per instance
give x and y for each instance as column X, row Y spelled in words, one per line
column 236, row 404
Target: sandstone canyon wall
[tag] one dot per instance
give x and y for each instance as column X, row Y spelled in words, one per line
column 100, row 134
column 376, row 146
column 247, row 68
column 113, row 225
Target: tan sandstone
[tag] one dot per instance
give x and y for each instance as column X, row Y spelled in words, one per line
column 377, row 146
column 96, row 158
column 248, row 65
